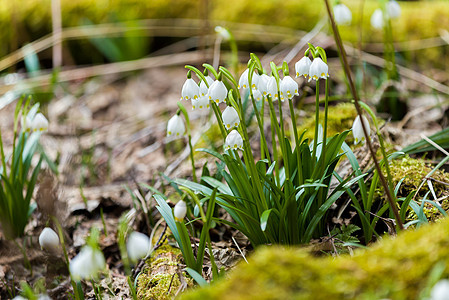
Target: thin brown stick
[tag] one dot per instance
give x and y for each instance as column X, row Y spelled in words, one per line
column 359, row 112
column 57, row 28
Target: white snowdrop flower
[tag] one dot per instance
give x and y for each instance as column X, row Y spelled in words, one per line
column 203, row 86
column 289, row 87
column 48, row 239
column 357, row 129
column 318, row 69
column 200, row 103
column 218, row 92
column 255, row 81
column 233, row 141
column 180, row 211
column 19, row 298
column 26, row 122
column 302, row 67
column 87, row 263
column 257, row 95
column 43, row 297
column 243, row 81
column 377, row 19
column 175, row 126
column 230, row 117
column 273, row 90
column 223, row 32
column 138, row 246
column 190, row 90
column 39, row 123
column 440, row 290
column 262, row 85
column 393, row 9
column 342, row 14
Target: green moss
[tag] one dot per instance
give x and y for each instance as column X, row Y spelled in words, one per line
column 395, row 268
column 160, row 278
column 340, row 118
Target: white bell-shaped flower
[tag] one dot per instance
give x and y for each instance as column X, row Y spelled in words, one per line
column 49, row 240
column 180, row 211
column 243, row 81
column 289, row 87
column 393, row 9
column 223, row 33
column 190, row 90
column 377, row 19
column 138, row 246
column 27, row 123
column 175, row 126
column 204, row 87
column 200, row 103
column 262, row 84
column 440, row 290
column 87, row 263
column 302, row 67
column 39, row 123
column 218, row 92
column 230, row 117
column 273, row 90
column 255, row 81
column 342, row 14
column 233, row 141
column 357, row 129
column 318, row 69
column 257, row 95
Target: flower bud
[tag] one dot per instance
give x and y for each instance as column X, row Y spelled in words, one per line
column 393, row 9
column 342, row 14
column 357, row 129
column 48, row 239
column 87, row 263
column 377, row 19
column 180, row 211
column 138, row 246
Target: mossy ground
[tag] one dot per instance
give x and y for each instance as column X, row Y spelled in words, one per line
column 395, row 268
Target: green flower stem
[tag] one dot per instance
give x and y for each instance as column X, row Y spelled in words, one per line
column 297, row 141
column 347, row 70
column 326, row 109
column 282, row 138
column 274, row 123
column 317, row 119
column 189, row 135
column 219, row 120
column 263, row 144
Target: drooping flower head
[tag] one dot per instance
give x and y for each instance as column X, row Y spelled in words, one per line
column 393, row 9
column 244, row 80
column 138, row 246
column 318, row 69
column 200, row 103
column 190, row 90
column 230, row 117
column 175, row 126
column 357, row 129
column 262, row 85
column 204, row 87
column 218, row 92
column 39, row 123
column 377, row 19
column 302, row 67
column 233, row 141
column 87, row 263
column 272, row 88
column 342, row 14
column 180, row 210
column 48, row 239
column 257, row 95
column 289, row 88
column 440, row 290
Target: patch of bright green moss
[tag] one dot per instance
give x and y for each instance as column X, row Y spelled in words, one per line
column 395, row 268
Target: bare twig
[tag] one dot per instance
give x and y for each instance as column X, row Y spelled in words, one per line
column 240, row 250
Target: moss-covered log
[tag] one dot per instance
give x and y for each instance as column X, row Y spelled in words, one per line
column 395, row 268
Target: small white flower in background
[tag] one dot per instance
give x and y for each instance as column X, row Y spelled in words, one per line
column 262, row 85
column 175, row 126
column 289, row 87
column 318, row 69
column 203, row 86
column 180, row 211
column 357, row 129
column 257, row 95
column 39, row 123
column 393, row 9
column 218, row 92
column 26, row 122
column 87, row 263
column 190, row 90
column 272, row 88
column 43, row 297
column 440, row 290
column 48, row 239
column 233, row 141
column 19, row 298
column 230, row 117
column 377, row 19
column 342, row 14
column 223, row 32
column 139, row 246
column 200, row 103
column 302, row 67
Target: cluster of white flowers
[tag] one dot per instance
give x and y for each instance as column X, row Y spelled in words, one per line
column 315, row 69
column 393, row 12
column 38, row 123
